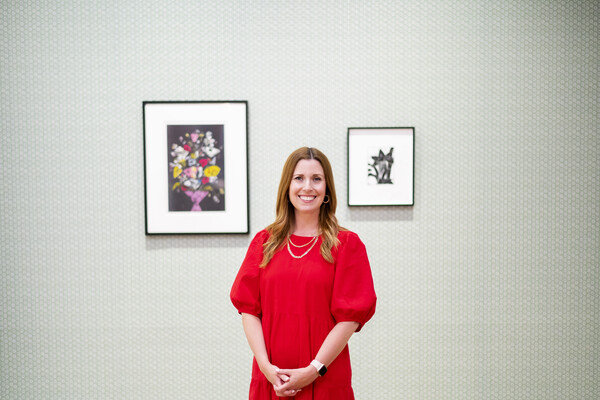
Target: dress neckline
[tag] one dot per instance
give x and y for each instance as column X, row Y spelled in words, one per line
column 303, row 237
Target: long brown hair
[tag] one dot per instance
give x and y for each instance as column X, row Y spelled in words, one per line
column 281, row 227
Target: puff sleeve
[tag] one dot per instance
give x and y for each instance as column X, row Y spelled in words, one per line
column 353, row 296
column 245, row 292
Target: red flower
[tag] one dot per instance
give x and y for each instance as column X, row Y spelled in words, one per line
column 205, row 180
column 203, row 162
column 186, row 147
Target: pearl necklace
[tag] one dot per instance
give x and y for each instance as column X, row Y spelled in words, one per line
column 313, row 240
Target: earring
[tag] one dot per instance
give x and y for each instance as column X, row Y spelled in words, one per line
column 325, row 202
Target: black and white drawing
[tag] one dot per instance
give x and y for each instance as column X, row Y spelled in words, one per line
column 381, row 167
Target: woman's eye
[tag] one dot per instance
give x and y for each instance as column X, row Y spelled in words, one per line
column 317, row 179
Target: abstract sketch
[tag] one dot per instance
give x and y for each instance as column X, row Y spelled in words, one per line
column 196, row 168
column 381, row 167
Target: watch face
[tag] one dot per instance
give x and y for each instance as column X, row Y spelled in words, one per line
column 322, row 370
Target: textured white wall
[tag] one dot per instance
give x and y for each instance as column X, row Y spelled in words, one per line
column 488, row 287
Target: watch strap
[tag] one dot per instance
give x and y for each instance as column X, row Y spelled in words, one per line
column 321, row 368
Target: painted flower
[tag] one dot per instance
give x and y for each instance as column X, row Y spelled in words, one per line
column 213, row 170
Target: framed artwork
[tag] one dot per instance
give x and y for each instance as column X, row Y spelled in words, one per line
column 381, row 165
column 196, row 167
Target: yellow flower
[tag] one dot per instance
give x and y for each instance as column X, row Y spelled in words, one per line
column 213, row 170
column 176, row 171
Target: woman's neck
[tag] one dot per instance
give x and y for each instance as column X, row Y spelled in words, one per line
column 305, row 225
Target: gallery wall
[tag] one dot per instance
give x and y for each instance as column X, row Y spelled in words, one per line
column 488, row 286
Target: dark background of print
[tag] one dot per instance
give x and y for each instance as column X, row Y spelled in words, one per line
column 179, row 201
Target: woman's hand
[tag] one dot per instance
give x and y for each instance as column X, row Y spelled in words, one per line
column 273, row 375
column 297, row 379
column 277, row 379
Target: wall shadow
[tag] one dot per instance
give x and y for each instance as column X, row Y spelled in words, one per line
column 161, row 242
column 381, row 213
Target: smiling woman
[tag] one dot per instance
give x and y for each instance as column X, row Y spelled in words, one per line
column 300, row 306
column 290, row 219
column 307, row 189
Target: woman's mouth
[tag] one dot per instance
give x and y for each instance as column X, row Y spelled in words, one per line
column 307, row 198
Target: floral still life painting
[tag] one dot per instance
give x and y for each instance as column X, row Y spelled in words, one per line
column 196, row 168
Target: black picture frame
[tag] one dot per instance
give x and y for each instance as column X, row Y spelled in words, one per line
column 381, row 166
column 196, row 167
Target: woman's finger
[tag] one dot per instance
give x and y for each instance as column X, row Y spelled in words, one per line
column 283, row 375
column 285, row 393
column 292, row 392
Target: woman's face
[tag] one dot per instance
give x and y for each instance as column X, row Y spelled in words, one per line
column 307, row 189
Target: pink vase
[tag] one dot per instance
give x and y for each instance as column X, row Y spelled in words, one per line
column 196, row 197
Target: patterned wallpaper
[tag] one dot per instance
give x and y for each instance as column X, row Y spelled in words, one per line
column 488, row 286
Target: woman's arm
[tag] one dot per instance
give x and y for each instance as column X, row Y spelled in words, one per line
column 332, row 346
column 256, row 340
column 335, row 342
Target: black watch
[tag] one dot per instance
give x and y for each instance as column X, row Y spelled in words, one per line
column 321, row 369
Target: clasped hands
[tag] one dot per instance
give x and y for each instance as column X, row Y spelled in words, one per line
column 288, row 382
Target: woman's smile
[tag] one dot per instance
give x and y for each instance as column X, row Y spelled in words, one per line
column 307, row 198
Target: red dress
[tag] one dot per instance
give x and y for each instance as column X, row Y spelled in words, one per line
column 299, row 301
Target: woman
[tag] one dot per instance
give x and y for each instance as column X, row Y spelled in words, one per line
column 303, row 289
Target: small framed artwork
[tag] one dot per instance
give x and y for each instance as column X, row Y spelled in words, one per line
column 381, row 165
column 196, row 167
